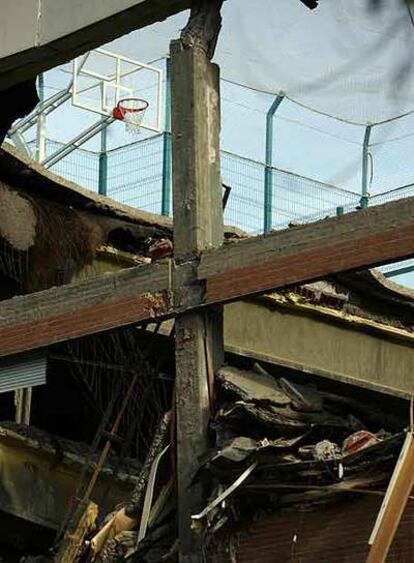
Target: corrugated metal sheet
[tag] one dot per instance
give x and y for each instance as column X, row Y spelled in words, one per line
column 28, row 371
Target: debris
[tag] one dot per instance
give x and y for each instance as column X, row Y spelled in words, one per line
column 117, row 548
column 227, row 492
column 326, row 450
column 159, row 442
column 120, row 522
column 238, row 449
column 160, row 249
column 359, row 440
column 73, row 544
column 292, row 434
column 303, row 398
column 149, row 493
column 251, row 386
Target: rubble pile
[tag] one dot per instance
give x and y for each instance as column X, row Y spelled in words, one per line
column 281, row 446
column 277, row 445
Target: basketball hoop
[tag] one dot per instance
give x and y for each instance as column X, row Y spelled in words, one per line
column 131, row 111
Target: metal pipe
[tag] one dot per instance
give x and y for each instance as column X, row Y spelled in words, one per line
column 268, row 182
column 166, row 166
column 46, row 107
column 78, row 141
column 365, row 182
column 103, row 164
column 41, row 124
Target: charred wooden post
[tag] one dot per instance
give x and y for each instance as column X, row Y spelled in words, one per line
column 198, row 224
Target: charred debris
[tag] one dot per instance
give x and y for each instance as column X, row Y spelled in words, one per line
column 91, row 475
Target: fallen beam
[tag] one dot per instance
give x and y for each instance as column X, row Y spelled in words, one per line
column 359, row 240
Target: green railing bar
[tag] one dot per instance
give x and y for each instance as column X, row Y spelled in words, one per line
column 268, row 183
column 103, row 164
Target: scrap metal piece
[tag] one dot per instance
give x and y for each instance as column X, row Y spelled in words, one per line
column 149, row 493
column 160, row 249
column 218, row 500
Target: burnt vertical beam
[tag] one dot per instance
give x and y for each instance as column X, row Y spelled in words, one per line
column 198, row 225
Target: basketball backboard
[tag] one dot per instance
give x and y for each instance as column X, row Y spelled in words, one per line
column 101, row 79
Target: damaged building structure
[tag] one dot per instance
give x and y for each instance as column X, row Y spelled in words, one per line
column 308, row 412
column 177, row 390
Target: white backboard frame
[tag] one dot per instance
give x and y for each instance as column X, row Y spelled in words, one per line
column 105, row 82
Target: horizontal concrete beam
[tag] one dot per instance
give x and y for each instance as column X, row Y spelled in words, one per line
column 248, row 267
column 358, row 240
column 79, row 309
column 35, row 37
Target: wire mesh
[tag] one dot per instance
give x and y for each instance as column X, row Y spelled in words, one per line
column 135, row 177
column 104, row 366
column 135, row 174
column 297, row 199
column 317, row 146
column 391, row 153
column 245, row 205
column 80, row 166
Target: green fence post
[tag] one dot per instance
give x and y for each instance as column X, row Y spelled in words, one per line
column 103, row 164
column 268, row 183
column 365, row 158
column 166, row 166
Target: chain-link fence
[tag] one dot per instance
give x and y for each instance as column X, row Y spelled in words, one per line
column 136, row 172
column 80, row 166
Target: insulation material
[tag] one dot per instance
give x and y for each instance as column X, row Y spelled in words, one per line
column 18, row 220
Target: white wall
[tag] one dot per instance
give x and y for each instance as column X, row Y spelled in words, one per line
column 18, row 26
column 61, row 17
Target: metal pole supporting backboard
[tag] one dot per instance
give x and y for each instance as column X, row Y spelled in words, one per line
column 41, row 124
